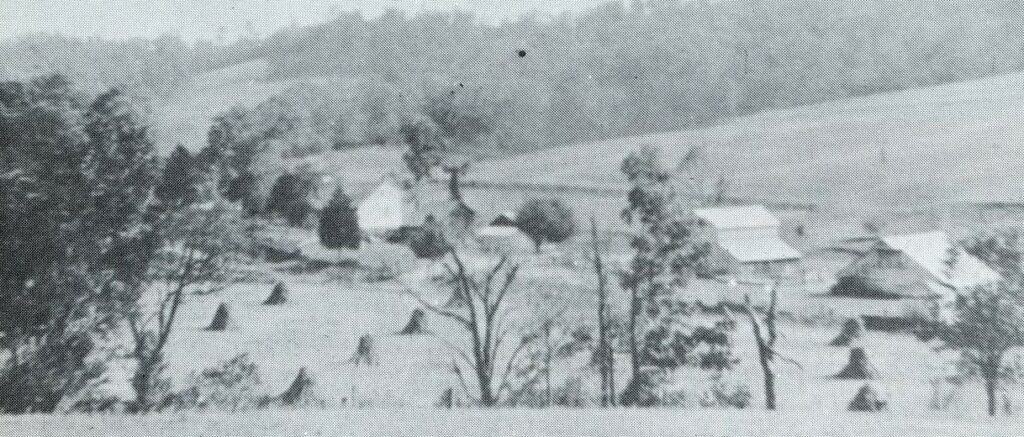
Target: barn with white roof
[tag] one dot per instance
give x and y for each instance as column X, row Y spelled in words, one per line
column 749, row 242
column 920, row 265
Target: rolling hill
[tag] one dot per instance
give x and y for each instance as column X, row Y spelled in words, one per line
column 185, row 115
column 955, row 142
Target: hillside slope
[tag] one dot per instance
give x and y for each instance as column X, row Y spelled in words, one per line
column 952, row 142
column 185, row 116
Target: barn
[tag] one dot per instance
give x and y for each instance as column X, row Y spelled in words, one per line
column 748, row 243
column 919, row 265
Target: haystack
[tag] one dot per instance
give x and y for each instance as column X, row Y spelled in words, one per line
column 278, row 296
column 364, row 351
column 298, row 389
column 220, row 319
column 417, row 323
column 447, row 399
column 858, row 366
column 867, row 399
column 853, row 329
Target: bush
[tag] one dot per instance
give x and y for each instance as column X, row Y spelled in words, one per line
column 42, row 375
column 546, row 220
column 721, row 395
column 429, row 241
column 231, row 386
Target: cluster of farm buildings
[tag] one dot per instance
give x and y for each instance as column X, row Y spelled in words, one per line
column 892, row 273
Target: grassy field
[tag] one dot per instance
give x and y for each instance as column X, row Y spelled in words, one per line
column 913, row 147
column 319, row 326
column 184, row 117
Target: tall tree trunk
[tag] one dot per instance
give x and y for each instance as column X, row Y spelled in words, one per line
column 769, row 385
column 634, row 312
column 142, row 384
column 486, row 394
column 990, row 389
column 605, row 360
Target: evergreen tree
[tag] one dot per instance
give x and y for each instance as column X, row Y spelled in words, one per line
column 339, row 223
column 181, row 178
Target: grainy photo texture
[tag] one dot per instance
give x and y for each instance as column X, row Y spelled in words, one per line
column 491, row 217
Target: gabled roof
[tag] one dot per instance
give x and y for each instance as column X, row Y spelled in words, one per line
column 933, row 250
column 759, row 242
column 505, row 219
column 766, row 246
column 389, row 179
column 734, row 217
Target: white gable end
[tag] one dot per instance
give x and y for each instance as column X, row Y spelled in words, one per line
column 385, row 208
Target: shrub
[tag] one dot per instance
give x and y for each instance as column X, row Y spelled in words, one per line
column 231, row 386
column 722, row 394
column 429, row 241
column 546, row 220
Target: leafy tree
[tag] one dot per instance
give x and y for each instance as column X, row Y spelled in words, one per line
column 989, row 323
column 77, row 179
column 546, row 220
column 339, row 223
column 424, row 147
column 290, row 196
column 668, row 250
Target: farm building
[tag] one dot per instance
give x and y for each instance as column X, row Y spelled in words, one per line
column 503, row 236
column 922, row 265
column 748, row 242
column 386, row 207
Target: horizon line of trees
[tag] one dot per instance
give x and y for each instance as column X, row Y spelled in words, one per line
column 607, row 71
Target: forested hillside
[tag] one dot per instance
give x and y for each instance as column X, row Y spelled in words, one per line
column 624, row 68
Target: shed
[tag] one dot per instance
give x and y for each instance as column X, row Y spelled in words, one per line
column 505, row 219
column 749, row 241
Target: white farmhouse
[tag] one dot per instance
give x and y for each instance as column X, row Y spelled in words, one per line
column 386, row 207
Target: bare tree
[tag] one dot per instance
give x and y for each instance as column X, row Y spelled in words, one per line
column 196, row 250
column 605, row 355
column 485, row 318
column 765, row 335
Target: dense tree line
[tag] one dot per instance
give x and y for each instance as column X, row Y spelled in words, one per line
column 608, row 71
column 661, row 64
column 138, row 65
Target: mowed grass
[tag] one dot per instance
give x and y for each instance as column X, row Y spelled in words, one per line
column 318, row 328
column 950, row 142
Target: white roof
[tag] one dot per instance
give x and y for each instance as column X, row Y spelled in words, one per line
column 733, row 217
column 759, row 248
column 933, row 250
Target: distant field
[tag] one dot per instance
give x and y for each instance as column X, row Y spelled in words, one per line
column 953, row 142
